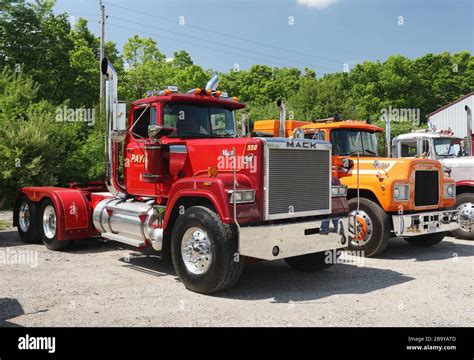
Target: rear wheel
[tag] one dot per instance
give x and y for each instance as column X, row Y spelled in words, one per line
column 48, row 226
column 465, row 205
column 26, row 220
column 426, row 240
column 205, row 251
column 373, row 227
column 311, row 262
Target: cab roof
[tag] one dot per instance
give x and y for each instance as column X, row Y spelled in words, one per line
column 344, row 124
column 230, row 103
column 417, row 135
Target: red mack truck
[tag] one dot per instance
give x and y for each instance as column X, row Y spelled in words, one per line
column 179, row 179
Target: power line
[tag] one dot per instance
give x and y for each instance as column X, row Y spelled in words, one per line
column 193, row 44
column 226, row 45
column 229, row 35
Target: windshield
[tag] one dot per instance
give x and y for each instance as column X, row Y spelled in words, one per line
column 445, row 147
column 349, row 142
column 195, row 120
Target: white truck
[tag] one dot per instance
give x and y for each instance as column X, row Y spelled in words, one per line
column 455, row 153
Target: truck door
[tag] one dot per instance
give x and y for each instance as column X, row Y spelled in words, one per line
column 134, row 157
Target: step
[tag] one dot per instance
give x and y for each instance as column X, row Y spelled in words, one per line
column 124, row 240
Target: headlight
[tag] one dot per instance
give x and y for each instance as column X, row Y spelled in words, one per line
column 449, row 191
column 401, row 192
column 242, row 196
column 338, row 191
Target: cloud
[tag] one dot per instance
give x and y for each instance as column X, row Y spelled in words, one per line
column 317, row 4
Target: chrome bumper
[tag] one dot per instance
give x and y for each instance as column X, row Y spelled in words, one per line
column 271, row 242
column 425, row 223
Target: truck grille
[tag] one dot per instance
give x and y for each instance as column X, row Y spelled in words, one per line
column 426, row 187
column 298, row 182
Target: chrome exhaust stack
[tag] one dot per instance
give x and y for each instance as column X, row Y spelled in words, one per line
column 469, row 130
column 115, row 129
column 281, row 107
column 213, row 83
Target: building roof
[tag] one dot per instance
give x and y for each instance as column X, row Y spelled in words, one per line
column 451, row 103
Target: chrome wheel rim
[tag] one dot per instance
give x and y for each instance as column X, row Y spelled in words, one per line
column 49, row 222
column 24, row 217
column 196, row 250
column 369, row 228
column 466, row 217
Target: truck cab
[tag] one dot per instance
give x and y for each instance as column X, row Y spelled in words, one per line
column 453, row 153
column 410, row 198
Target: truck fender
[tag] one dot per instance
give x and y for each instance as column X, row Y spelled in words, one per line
column 464, row 186
column 213, row 191
column 74, row 213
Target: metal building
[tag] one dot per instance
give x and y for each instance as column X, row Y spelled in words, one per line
column 453, row 115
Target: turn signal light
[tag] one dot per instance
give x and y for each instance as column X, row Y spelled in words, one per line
column 212, row 171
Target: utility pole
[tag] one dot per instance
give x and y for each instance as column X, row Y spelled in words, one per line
column 102, row 53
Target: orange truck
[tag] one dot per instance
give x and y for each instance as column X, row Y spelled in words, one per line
column 408, row 197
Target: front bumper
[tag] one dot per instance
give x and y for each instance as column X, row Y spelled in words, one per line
column 279, row 241
column 425, row 223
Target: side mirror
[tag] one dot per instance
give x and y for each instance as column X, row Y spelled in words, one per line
column 158, row 131
column 119, row 122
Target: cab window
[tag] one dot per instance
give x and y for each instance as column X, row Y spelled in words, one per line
column 319, row 135
column 142, row 118
column 408, row 149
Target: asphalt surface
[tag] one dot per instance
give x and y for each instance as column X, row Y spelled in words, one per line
column 97, row 283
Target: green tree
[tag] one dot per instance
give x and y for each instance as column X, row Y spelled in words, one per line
column 141, row 50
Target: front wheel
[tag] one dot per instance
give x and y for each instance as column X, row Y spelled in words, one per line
column 426, row 240
column 465, row 205
column 48, row 226
column 205, row 251
column 311, row 262
column 372, row 225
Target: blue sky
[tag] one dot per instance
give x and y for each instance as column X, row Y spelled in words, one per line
column 321, row 34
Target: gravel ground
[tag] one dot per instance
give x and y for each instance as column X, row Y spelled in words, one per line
column 97, row 283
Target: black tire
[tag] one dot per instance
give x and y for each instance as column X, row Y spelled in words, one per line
column 28, row 231
column 50, row 241
column 226, row 265
column 311, row 262
column 380, row 235
column 426, row 240
column 464, row 232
